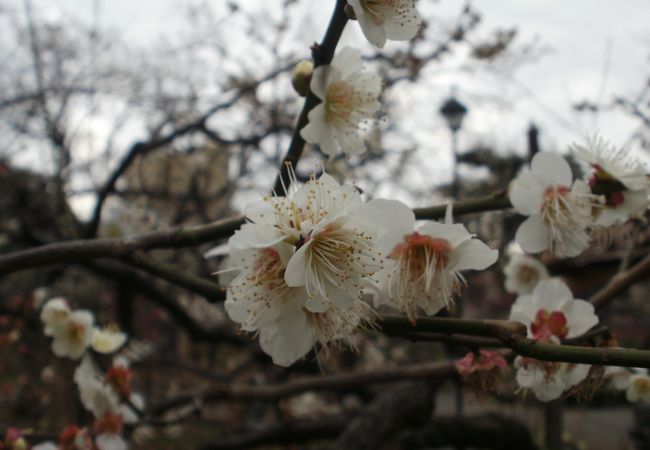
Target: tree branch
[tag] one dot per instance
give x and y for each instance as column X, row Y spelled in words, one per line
column 322, row 54
column 88, row 249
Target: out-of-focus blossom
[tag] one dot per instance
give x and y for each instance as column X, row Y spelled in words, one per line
column 618, row 177
column 108, row 429
column 638, row 389
column 74, row 336
column 397, row 20
column 54, row 315
column 349, row 96
column 484, row 361
column 558, row 209
column 424, row 264
column 522, row 273
column 107, row 340
column 551, row 314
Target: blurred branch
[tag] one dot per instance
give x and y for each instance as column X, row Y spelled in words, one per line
column 141, row 148
column 322, row 54
column 620, row 283
column 211, row 291
column 88, row 249
column 339, row 382
column 218, row 333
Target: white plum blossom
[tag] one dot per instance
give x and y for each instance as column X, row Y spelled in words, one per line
column 107, row 340
column 348, row 97
column 397, row 20
column 551, row 314
column 74, row 335
column 301, row 261
column 96, row 396
column 423, row 265
column 638, row 387
column 522, row 273
column 616, row 170
column 548, row 381
column 331, row 242
column 559, row 209
column 54, row 315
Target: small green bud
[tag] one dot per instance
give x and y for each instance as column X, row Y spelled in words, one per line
column 301, row 77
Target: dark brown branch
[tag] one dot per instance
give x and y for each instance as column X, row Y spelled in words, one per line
column 322, row 54
column 339, row 382
column 87, row 249
column 142, row 148
column 196, row 330
column 208, row 289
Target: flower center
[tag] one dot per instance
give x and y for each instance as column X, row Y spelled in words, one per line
column 109, row 423
column 555, row 208
column 548, row 324
column 602, row 178
column 527, row 274
column 76, row 332
column 339, row 99
column 642, row 385
column 268, row 267
column 120, row 378
column 419, row 251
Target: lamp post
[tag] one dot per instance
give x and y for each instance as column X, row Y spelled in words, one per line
column 454, row 112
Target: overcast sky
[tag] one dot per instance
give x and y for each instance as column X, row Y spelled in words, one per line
column 596, row 49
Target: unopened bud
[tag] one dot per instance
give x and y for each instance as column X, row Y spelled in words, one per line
column 301, row 77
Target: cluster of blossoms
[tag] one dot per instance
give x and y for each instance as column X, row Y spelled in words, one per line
column 305, row 259
column 107, row 396
column 562, row 211
column 73, row 331
column 635, row 382
column 349, row 95
column 551, row 314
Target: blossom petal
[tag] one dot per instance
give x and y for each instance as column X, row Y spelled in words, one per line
column 527, row 193
column 252, row 235
column 454, row 234
column 552, row 168
column 348, row 61
column 533, row 235
column 552, row 294
column 580, row 316
column 397, row 219
column 474, row 255
column 375, row 34
column 296, row 271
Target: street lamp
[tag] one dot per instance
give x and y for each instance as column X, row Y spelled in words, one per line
column 454, row 112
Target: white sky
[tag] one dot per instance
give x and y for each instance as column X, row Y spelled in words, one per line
column 598, row 49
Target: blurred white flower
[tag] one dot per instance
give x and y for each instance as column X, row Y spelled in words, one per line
column 422, row 268
column 615, row 169
column 108, row 428
column 638, row 389
column 96, row 396
column 348, row 97
column 74, row 335
column 551, row 314
column 548, row 381
column 54, row 315
column 107, row 340
column 559, row 214
column 522, row 273
column 397, row 20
